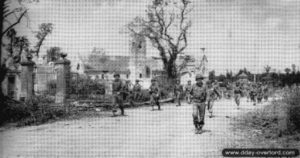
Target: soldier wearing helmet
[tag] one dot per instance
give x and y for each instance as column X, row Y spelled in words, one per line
column 137, row 90
column 199, row 97
column 127, row 92
column 237, row 94
column 213, row 95
column 154, row 94
column 117, row 88
column 188, row 89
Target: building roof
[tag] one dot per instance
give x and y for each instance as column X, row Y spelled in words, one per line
column 103, row 63
column 243, row 75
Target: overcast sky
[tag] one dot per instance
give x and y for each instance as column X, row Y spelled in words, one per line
column 235, row 33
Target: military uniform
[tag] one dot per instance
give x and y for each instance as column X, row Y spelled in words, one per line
column 260, row 93
column 137, row 88
column 154, row 95
column 199, row 95
column 178, row 89
column 253, row 94
column 237, row 95
column 266, row 92
column 213, row 95
column 127, row 93
column 188, row 89
column 118, row 97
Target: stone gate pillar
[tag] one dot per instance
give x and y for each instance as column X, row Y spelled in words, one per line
column 27, row 81
column 62, row 68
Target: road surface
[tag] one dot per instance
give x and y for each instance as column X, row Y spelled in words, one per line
column 142, row 133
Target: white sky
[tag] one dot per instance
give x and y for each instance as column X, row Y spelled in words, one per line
column 230, row 30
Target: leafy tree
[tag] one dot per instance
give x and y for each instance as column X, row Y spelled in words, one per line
column 166, row 26
column 44, row 30
column 53, row 54
column 287, row 71
column 212, row 75
column 267, row 69
column 12, row 16
column 11, row 35
column 9, row 18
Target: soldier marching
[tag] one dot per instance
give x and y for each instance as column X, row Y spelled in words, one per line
column 178, row 90
column 118, row 95
column 137, row 88
column 237, row 94
column 154, row 91
column 199, row 95
column 213, row 95
column 188, row 89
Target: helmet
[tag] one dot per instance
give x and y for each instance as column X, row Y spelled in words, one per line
column 199, row 76
column 137, row 80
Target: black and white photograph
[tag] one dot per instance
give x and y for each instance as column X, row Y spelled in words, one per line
column 149, row 78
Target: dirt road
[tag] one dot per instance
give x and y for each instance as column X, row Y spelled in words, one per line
column 142, row 133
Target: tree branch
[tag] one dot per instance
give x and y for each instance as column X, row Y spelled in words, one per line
column 14, row 24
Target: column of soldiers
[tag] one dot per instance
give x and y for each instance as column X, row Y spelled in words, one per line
column 200, row 94
column 255, row 92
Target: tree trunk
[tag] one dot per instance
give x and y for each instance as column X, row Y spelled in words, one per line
column 2, row 68
column 170, row 69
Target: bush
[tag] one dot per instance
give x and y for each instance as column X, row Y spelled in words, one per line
column 292, row 99
column 35, row 111
column 281, row 117
column 86, row 87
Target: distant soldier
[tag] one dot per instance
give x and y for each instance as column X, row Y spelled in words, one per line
column 260, row 93
column 213, row 95
column 117, row 88
column 237, row 94
column 199, row 97
column 188, row 89
column 154, row 94
column 266, row 92
column 247, row 92
column 178, row 90
column 137, row 88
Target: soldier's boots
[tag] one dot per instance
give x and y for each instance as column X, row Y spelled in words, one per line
column 199, row 129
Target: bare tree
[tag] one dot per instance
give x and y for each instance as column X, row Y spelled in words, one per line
column 166, row 26
column 183, row 65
